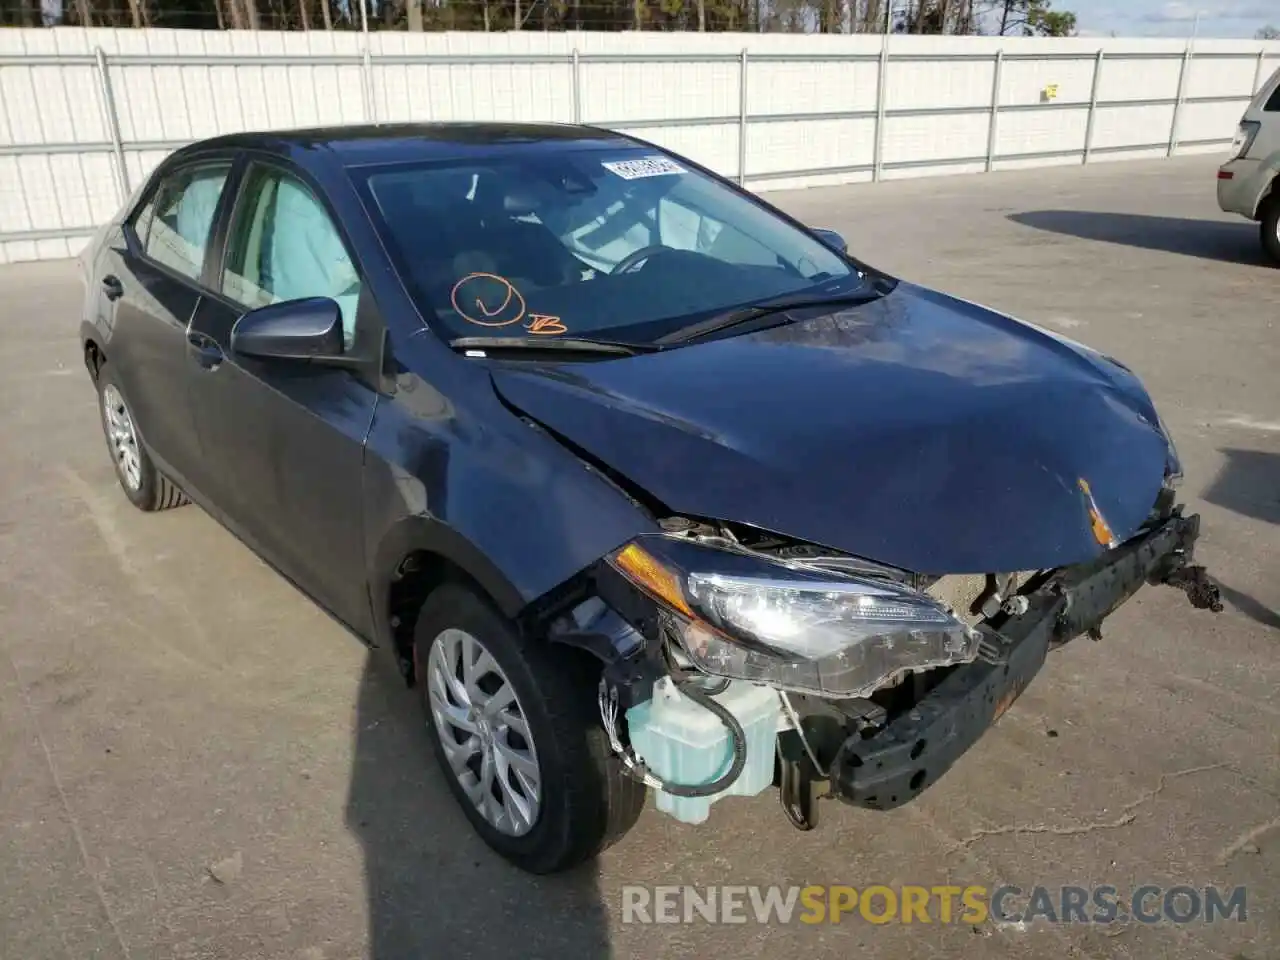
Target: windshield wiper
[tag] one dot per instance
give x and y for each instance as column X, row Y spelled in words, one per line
column 731, row 318
column 552, row 344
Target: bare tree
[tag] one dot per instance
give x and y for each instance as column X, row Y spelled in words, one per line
column 139, row 14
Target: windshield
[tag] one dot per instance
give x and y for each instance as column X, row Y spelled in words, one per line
column 622, row 244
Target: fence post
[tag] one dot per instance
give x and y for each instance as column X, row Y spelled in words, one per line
column 877, row 154
column 1177, row 106
column 577, row 87
column 742, row 119
column 113, row 124
column 1093, row 105
column 366, row 70
column 993, row 123
column 1257, row 71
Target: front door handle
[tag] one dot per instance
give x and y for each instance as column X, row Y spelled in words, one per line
column 205, row 349
column 112, row 287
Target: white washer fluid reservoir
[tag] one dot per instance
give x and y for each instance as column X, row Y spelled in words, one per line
column 684, row 743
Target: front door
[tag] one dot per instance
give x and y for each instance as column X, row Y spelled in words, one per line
column 283, row 440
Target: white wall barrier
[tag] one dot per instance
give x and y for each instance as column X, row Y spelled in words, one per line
column 86, row 114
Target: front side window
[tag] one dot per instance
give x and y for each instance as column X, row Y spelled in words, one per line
column 173, row 226
column 284, row 246
column 621, row 243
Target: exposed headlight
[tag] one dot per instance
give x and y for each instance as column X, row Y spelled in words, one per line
column 1244, row 138
column 743, row 616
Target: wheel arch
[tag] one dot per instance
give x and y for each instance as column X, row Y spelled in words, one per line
column 94, row 354
column 1268, row 191
column 1267, row 187
column 416, row 556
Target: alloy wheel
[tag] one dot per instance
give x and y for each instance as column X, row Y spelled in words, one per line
column 484, row 732
column 122, row 437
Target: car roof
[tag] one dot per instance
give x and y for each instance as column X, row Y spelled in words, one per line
column 362, row 144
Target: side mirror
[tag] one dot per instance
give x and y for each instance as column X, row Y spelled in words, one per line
column 832, row 239
column 308, row 329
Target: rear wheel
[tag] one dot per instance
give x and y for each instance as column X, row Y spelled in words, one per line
column 1270, row 228
column 515, row 731
column 144, row 485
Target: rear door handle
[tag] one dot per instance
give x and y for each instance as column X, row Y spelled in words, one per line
column 112, row 287
column 205, row 349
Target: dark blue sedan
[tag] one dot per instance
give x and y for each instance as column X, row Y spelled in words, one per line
column 645, row 485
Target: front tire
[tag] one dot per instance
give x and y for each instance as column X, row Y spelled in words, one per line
column 515, row 731
column 145, row 486
column 1270, row 228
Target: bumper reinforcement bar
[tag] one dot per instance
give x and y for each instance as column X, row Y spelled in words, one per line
column 895, row 763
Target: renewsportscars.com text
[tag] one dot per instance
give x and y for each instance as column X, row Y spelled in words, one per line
column 974, row 904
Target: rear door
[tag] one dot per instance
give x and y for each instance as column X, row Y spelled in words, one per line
column 148, row 285
column 284, row 439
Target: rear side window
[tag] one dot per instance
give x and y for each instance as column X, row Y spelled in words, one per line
column 173, row 226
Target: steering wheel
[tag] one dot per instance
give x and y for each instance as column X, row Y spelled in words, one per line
column 635, row 257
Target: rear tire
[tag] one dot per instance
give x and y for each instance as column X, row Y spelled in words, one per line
column 584, row 802
column 145, row 486
column 1270, row 228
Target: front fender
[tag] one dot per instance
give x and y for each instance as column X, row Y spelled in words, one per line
column 470, row 482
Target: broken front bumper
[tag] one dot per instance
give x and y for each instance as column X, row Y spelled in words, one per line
column 898, row 761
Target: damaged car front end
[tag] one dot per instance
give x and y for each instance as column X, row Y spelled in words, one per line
column 926, row 498
column 883, row 678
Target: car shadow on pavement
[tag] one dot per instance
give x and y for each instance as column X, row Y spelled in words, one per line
column 434, row 889
column 1229, row 241
column 1252, row 608
column 1248, row 483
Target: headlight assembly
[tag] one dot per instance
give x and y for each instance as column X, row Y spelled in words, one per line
column 747, row 617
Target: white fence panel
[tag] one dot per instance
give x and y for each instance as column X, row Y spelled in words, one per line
column 85, row 115
column 829, row 86
column 1043, row 131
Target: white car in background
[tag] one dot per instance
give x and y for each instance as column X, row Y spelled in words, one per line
column 1249, row 182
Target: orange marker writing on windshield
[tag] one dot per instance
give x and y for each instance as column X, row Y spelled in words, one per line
column 541, row 323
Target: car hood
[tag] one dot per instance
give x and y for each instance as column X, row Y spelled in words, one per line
column 917, row 430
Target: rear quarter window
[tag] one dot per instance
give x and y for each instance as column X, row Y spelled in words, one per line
column 1268, row 96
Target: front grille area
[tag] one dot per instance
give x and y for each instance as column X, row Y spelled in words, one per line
column 964, row 592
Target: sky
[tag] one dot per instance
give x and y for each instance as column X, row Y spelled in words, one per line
column 1171, row 18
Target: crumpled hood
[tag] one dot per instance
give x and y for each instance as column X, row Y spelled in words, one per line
column 918, row 430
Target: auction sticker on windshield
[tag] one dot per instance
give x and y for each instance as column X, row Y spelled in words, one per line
column 638, row 169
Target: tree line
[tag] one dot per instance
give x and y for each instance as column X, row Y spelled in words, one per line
column 955, row 17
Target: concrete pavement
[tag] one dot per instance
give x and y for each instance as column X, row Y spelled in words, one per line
column 195, row 762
